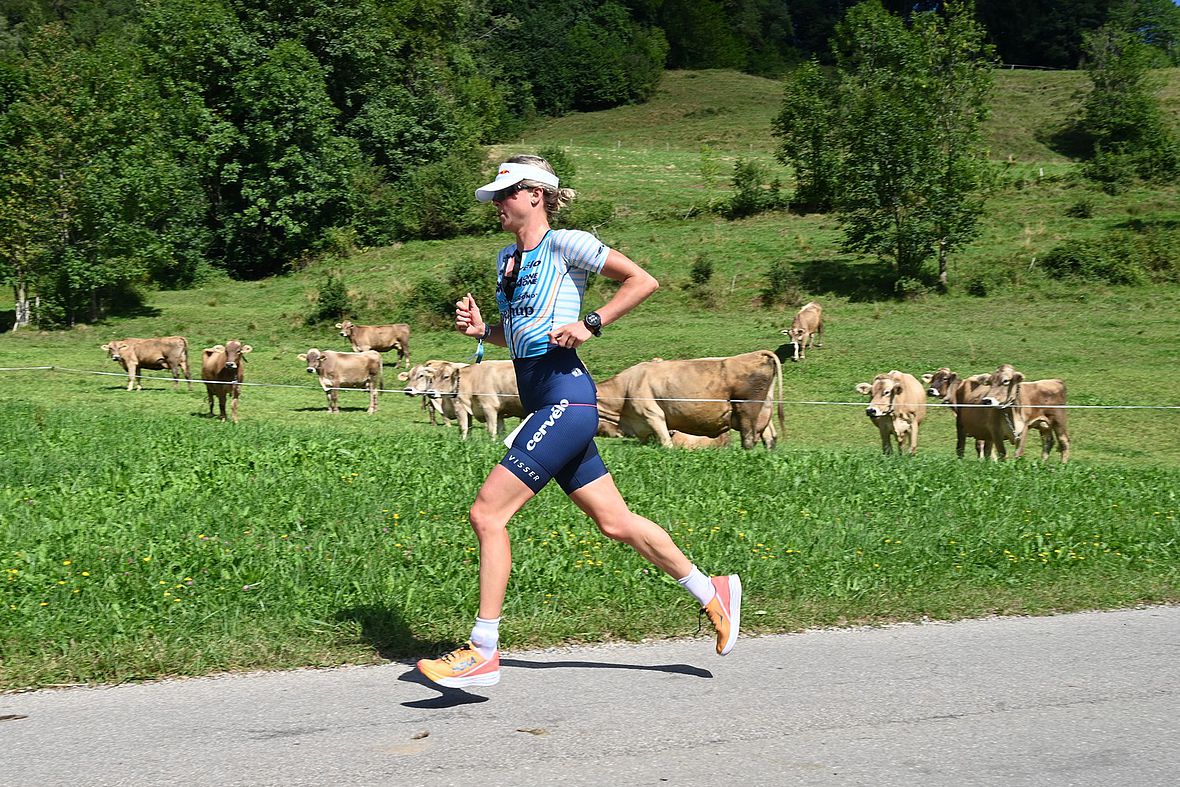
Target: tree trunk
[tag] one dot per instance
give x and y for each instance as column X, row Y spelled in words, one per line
column 23, row 312
column 942, row 263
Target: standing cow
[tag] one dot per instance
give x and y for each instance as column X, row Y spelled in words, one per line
column 345, row 370
column 381, row 338
column 167, row 352
column 807, row 325
column 1024, row 405
column 223, row 368
column 423, row 380
column 481, row 392
column 965, row 397
column 897, row 406
column 700, row 396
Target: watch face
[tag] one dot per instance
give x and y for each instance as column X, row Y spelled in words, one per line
column 593, row 320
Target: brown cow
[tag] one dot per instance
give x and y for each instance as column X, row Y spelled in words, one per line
column 167, row 352
column 693, row 441
column 699, row 396
column 897, row 406
column 223, row 368
column 965, row 397
column 1024, row 405
column 808, row 323
column 381, row 338
column 420, row 381
column 345, row 370
column 484, row 392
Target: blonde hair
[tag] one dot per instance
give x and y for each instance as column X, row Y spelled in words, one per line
column 555, row 198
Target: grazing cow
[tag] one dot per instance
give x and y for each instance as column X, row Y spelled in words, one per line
column 345, row 370
column 381, row 338
column 167, row 352
column 808, row 323
column 897, row 406
column 700, row 396
column 484, row 392
column 1024, row 405
column 223, row 368
column 965, row 397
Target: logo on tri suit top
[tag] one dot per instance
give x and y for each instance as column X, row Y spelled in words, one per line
column 556, row 412
column 520, row 311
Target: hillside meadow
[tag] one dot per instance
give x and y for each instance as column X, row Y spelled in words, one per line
column 140, row 538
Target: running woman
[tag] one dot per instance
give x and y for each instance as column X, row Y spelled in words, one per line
column 541, row 280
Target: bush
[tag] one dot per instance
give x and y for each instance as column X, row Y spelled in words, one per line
column 1109, row 259
column 781, row 286
column 331, row 302
column 586, row 214
column 1082, row 209
column 702, row 270
column 753, row 191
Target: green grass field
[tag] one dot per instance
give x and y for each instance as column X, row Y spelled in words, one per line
column 139, row 538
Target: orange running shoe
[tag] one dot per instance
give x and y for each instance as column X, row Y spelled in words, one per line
column 725, row 611
column 462, row 667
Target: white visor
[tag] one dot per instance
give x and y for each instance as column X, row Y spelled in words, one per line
column 510, row 174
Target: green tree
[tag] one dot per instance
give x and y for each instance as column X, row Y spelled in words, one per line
column 1122, row 115
column 912, row 99
column 807, row 128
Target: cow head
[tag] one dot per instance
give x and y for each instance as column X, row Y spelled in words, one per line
column 116, row 350
column 235, row 353
column 345, row 328
column 418, row 380
column 314, row 358
column 433, row 379
column 1003, row 387
column 881, row 392
column 940, row 383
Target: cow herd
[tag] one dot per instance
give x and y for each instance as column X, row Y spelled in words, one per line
column 687, row 403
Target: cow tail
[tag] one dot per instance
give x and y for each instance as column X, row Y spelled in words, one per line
column 778, row 373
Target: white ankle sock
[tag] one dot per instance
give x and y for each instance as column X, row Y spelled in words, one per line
column 486, row 636
column 699, row 585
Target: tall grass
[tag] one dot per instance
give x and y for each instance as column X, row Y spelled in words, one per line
column 139, row 538
column 140, row 547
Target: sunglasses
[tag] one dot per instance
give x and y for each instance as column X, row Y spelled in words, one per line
column 503, row 194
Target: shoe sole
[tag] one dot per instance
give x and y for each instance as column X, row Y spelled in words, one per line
column 735, row 612
column 488, row 679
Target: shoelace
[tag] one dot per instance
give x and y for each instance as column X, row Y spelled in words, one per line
column 704, row 613
column 454, row 654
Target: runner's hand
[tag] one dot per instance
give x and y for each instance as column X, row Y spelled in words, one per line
column 468, row 320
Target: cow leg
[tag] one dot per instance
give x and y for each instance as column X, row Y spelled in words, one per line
column 333, row 395
column 463, row 415
column 372, row 397
column 234, row 405
column 961, row 440
column 1063, row 445
column 913, row 438
column 1046, row 444
column 886, row 438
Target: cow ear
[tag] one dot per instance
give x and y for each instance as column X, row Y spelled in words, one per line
column 247, row 348
column 303, row 356
column 1017, row 378
column 339, row 325
column 403, row 376
column 864, row 389
column 926, row 378
column 106, row 347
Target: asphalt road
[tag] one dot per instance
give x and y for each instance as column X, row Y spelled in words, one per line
column 1083, row 699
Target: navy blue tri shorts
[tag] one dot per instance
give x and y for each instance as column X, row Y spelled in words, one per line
column 557, row 439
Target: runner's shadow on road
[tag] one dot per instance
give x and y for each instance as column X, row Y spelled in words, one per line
column 679, row 669
column 447, row 698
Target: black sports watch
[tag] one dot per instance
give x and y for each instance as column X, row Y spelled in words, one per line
column 593, row 323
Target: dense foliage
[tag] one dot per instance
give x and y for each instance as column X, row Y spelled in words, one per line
column 892, row 139
column 154, row 142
